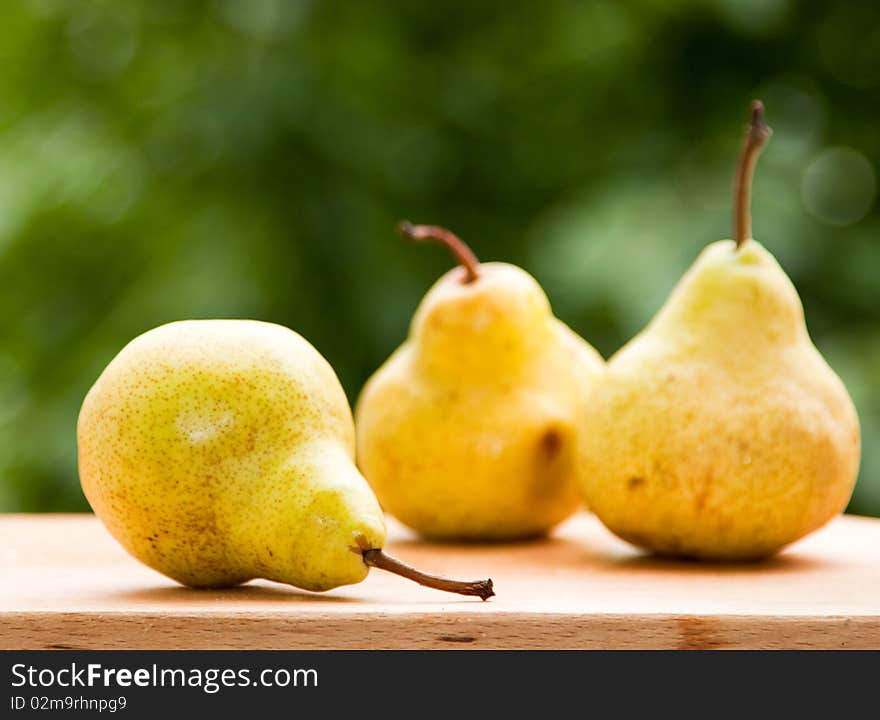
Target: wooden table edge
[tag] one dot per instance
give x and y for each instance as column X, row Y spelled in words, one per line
column 245, row 630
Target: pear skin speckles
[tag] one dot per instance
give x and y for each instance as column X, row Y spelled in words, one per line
column 720, row 432
column 216, row 451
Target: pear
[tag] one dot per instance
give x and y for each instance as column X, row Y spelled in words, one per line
column 720, row 432
column 218, row 451
column 468, row 431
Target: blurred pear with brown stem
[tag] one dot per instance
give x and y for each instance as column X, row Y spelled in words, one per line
column 468, row 431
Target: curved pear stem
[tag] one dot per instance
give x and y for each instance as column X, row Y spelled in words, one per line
column 378, row 559
column 456, row 245
column 757, row 135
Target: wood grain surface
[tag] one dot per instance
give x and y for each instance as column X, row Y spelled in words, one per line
column 67, row 584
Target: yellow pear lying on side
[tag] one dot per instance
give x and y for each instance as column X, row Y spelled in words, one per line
column 468, row 431
column 217, row 451
column 720, row 431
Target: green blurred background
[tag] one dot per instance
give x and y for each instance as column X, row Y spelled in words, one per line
column 249, row 158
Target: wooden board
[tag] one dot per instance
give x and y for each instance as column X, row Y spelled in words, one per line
column 67, row 584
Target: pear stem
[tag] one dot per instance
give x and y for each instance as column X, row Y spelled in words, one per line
column 379, row 559
column 456, row 245
column 757, row 135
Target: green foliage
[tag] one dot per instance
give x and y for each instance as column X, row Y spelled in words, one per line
column 249, row 158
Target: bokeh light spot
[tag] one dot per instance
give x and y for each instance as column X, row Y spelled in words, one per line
column 839, row 186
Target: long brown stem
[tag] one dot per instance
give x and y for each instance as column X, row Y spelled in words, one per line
column 456, row 245
column 378, row 559
column 756, row 137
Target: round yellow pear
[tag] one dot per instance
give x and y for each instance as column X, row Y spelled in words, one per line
column 468, row 431
column 217, row 451
column 720, row 432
